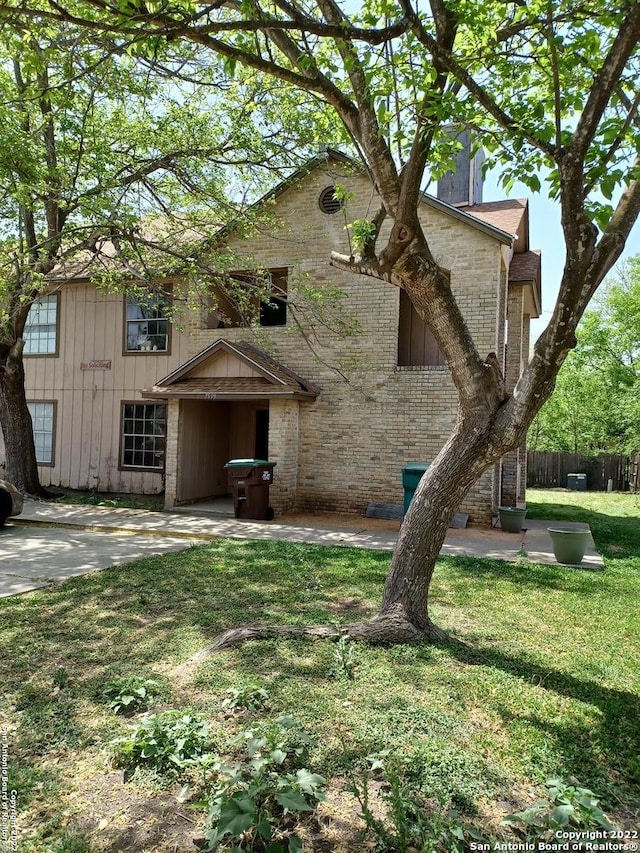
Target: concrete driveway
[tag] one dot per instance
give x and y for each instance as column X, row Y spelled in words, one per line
column 32, row 557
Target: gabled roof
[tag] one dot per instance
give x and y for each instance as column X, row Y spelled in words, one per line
column 254, row 375
column 525, row 267
column 468, row 215
column 510, row 215
column 525, row 270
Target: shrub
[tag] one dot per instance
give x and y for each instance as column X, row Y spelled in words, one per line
column 411, row 822
column 127, row 694
column 167, row 743
column 254, row 803
column 245, row 698
column 567, row 806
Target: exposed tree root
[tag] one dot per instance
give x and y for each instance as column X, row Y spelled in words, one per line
column 389, row 628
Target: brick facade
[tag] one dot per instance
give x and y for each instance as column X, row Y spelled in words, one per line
column 371, row 416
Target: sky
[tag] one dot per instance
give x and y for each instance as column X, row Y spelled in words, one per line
column 546, row 235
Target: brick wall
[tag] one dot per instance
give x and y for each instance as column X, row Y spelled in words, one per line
column 511, row 462
column 284, row 442
column 370, row 417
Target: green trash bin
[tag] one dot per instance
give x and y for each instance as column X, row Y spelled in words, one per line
column 249, row 481
column 411, row 475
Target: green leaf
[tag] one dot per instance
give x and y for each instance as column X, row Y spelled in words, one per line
column 235, row 820
column 309, row 782
column 293, row 801
column 562, row 814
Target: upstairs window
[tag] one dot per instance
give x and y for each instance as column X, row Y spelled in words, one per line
column 417, row 346
column 240, row 305
column 147, row 323
column 41, row 329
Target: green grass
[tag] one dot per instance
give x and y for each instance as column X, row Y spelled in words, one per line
column 541, row 677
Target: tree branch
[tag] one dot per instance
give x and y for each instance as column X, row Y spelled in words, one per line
column 448, row 61
column 605, row 83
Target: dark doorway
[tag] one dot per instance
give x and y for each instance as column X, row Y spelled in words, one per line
column 262, row 434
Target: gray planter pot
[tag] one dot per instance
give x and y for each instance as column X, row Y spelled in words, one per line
column 512, row 518
column 569, row 544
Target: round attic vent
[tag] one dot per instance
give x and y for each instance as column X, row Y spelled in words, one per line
column 328, row 202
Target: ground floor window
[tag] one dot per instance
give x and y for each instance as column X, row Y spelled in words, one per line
column 43, row 418
column 144, row 430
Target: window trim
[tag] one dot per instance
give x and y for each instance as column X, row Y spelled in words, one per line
column 56, row 352
column 54, row 430
column 137, row 352
column 134, row 468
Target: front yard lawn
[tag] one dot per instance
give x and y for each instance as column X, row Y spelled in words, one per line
column 541, row 680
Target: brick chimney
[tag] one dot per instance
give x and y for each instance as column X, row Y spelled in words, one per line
column 464, row 186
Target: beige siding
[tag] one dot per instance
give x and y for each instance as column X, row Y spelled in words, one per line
column 212, row 433
column 88, row 426
column 224, row 365
column 205, row 441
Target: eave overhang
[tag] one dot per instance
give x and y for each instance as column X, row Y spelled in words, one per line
column 259, row 376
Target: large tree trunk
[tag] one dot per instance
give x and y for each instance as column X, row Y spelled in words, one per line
column 465, row 456
column 404, row 615
column 15, row 420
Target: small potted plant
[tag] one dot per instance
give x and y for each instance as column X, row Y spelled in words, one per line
column 512, row 518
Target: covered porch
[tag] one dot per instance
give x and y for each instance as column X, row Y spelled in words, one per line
column 230, row 401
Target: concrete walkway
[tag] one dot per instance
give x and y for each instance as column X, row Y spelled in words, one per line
column 56, row 541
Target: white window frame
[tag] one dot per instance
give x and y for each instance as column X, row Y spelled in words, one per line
column 41, row 329
column 43, row 418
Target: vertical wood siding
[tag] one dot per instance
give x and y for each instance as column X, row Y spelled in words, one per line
column 91, row 329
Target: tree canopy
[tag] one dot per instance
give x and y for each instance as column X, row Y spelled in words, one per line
column 119, row 168
column 596, row 405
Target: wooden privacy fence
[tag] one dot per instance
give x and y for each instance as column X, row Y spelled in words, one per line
column 547, row 470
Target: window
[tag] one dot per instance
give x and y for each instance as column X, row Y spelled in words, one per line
column 41, row 329
column 416, row 345
column 43, row 417
column 237, row 306
column 144, row 430
column 147, row 323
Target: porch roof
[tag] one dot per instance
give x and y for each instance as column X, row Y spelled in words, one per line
column 232, row 371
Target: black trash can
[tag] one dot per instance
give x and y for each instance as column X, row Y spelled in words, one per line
column 249, row 482
column 411, row 475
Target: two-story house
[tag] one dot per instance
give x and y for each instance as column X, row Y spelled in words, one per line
column 123, row 400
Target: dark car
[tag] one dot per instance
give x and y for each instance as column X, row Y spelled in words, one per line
column 10, row 501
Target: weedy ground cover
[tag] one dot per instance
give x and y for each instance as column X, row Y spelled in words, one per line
column 540, row 680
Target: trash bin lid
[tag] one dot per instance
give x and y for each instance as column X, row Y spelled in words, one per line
column 245, row 463
column 416, row 466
